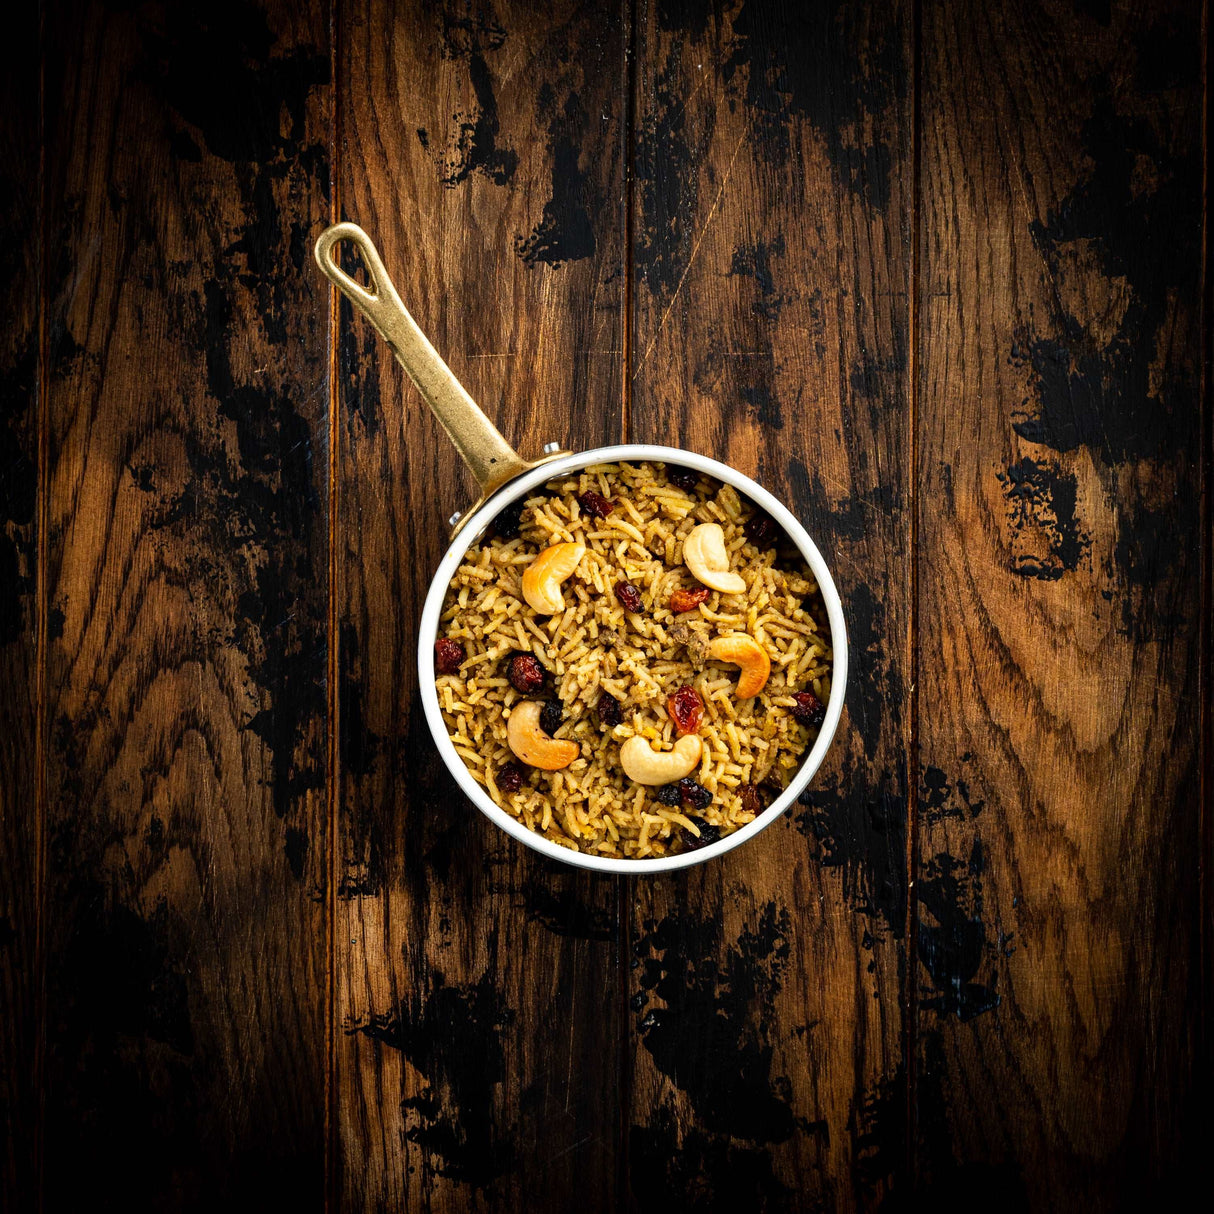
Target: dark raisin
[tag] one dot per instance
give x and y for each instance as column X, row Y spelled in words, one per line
column 688, row 600
column 509, row 777
column 550, row 716
column 610, row 712
column 684, row 478
column 668, row 794
column 708, row 834
column 596, row 504
column 448, row 655
column 686, row 709
column 525, row 673
column 506, row 525
column 629, row 596
column 752, row 803
column 771, row 788
column 761, row 530
column 808, row 709
column 693, row 796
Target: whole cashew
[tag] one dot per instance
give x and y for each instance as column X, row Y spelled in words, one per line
column 645, row 765
column 543, row 577
column 744, row 651
column 531, row 744
column 705, row 555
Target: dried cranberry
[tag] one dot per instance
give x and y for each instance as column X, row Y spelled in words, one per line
column 525, row 673
column 684, row 478
column 688, row 600
column 448, row 655
column 694, row 796
column 668, row 794
column 609, row 710
column 596, row 504
column 708, row 834
column 808, row 709
column 761, row 530
column 550, row 716
column 629, row 596
column 686, row 709
column 506, row 525
column 509, row 777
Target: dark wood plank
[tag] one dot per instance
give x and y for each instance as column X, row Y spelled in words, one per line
column 772, row 268
column 20, row 968
column 1060, row 582
column 478, row 989
column 186, row 859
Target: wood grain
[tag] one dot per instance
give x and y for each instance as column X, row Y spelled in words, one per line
column 20, row 970
column 1059, row 577
column 186, row 854
column 478, row 1011
column 932, row 271
column 772, row 268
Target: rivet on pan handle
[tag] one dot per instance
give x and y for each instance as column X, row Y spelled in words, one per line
column 492, row 460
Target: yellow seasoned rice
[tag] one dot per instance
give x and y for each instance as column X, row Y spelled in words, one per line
column 596, row 647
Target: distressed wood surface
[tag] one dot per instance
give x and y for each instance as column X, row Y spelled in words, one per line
column 771, row 267
column 934, row 272
column 186, row 577
column 478, row 1016
column 1060, row 599
column 20, row 968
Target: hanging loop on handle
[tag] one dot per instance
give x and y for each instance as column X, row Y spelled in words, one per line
column 492, row 460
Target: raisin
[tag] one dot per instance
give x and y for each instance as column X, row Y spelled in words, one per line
column 629, row 596
column 609, row 710
column 509, row 777
column 525, row 673
column 594, row 503
column 506, row 525
column 752, row 803
column 761, row 530
column 683, row 478
column 550, row 716
column 448, row 655
column 668, row 794
column 693, row 796
column 688, row 600
column 708, row 834
column 771, row 788
column 808, row 709
column 686, row 709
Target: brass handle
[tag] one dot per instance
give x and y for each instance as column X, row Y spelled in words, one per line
column 492, row 460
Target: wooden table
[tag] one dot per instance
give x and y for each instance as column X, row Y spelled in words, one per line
column 934, row 273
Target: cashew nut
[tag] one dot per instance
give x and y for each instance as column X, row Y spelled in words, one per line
column 645, row 765
column 744, row 651
column 543, row 577
column 531, row 744
column 705, row 555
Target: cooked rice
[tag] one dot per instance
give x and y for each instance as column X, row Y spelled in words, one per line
column 595, row 646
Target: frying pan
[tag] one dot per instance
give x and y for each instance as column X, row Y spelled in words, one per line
column 505, row 477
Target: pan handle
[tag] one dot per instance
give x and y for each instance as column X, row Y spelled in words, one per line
column 492, row 460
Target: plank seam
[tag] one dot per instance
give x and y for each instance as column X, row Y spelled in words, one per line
column 332, row 656
column 910, row 1003
column 1205, row 839
column 42, row 613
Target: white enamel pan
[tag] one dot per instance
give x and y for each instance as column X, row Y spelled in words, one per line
column 505, row 477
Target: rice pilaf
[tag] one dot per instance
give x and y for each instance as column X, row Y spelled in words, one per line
column 596, row 647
